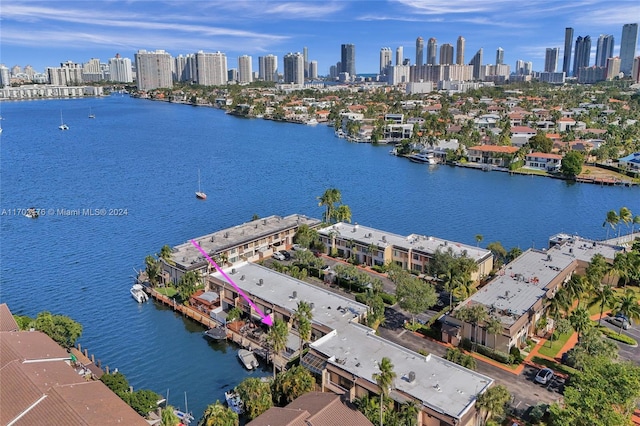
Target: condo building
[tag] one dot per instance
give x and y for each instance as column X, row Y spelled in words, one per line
column 551, row 59
column 568, row 44
column 153, row 70
column 211, row 68
column 385, row 59
column 245, row 71
column 628, row 46
column 446, row 54
column 460, row 51
column 348, row 59
column 419, row 51
column 268, row 68
column 432, row 51
column 604, row 50
column 294, row 68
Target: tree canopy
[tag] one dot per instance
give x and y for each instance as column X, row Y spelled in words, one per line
column 571, row 165
column 256, row 396
column 60, row 328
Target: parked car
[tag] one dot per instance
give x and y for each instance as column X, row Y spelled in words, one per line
column 286, row 254
column 619, row 321
column 544, row 376
column 278, row 256
column 298, row 247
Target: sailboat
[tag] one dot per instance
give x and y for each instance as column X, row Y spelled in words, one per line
column 200, row 195
column 91, row 115
column 62, row 126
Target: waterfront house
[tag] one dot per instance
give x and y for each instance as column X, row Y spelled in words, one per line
column 370, row 246
column 252, row 241
column 631, row 162
column 520, row 135
column 343, row 353
column 518, row 294
column 543, row 161
column 499, row 156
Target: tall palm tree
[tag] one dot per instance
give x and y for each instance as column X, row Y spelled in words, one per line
column 628, row 306
column 580, row 320
column 277, row 339
column 596, row 270
column 575, row 287
column 635, row 221
column 451, row 282
column 612, row 220
column 621, row 267
column 493, row 326
column 165, row 254
column 303, row 317
column 153, row 269
column 557, row 307
column 330, row 197
column 384, row 380
column 168, row 417
column 493, row 401
column 473, row 315
column 218, row 415
column 479, row 239
column 343, row 213
column 625, row 216
column 604, row 297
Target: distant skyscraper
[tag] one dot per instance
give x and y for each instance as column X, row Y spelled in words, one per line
column 613, row 68
column 628, row 45
column 184, row 68
column 520, row 67
column 211, row 68
column 153, row 70
column 460, row 51
column 305, row 54
column 582, row 54
column 245, row 71
column 399, row 55
column 432, row 51
column 476, row 62
column 120, row 69
column 313, row 70
column 385, row 59
column 348, row 59
column 568, row 44
column 551, row 59
column 294, row 68
column 268, row 68
column 446, row 54
column 419, row 51
column 499, row 56
column 604, row 50
column 635, row 71
column 5, row 78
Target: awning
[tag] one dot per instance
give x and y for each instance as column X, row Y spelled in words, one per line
column 314, row 363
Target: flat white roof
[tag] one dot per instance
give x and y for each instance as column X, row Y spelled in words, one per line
column 442, row 385
column 426, row 244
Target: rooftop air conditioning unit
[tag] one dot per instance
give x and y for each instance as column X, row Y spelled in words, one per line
column 412, row 376
column 295, row 294
column 233, row 271
column 242, row 278
column 260, row 282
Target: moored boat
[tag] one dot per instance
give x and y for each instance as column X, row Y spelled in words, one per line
column 424, row 158
column 248, row 359
column 216, row 334
column 137, row 292
column 234, row 401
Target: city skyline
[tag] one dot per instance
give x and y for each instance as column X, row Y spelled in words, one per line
column 40, row 35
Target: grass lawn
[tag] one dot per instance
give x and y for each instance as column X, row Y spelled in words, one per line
column 557, row 344
column 167, row 291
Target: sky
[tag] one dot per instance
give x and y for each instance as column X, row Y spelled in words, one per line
column 46, row 33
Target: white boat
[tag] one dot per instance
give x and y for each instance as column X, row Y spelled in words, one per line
column 91, row 115
column 248, row 359
column 32, row 213
column 199, row 194
column 137, row 292
column 311, row 122
column 234, row 402
column 424, row 158
column 62, row 126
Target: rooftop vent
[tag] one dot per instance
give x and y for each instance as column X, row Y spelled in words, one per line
column 594, row 243
column 242, row 278
column 184, row 258
column 226, row 235
column 549, row 257
column 570, row 249
column 446, row 243
column 412, row 376
column 264, row 222
column 294, row 295
column 213, row 239
column 233, row 271
column 260, row 282
column 312, row 305
column 384, row 238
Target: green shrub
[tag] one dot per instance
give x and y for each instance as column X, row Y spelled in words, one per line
column 379, row 269
column 493, row 354
column 466, row 344
column 515, row 357
column 611, row 334
column 361, row 298
column 388, row 299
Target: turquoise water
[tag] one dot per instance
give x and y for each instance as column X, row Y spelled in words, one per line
column 141, row 158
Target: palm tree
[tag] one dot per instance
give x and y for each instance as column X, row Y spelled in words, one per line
column 473, row 315
column 451, row 282
column 330, row 197
column 635, row 221
column 493, row 326
column 343, row 213
column 580, row 320
column 604, row 297
column 277, row 339
column 303, row 317
column 628, row 306
column 493, row 401
column 168, row 417
column 479, row 239
column 558, row 305
column 596, row 270
column 218, row 415
column 612, row 220
column 575, row 287
column 153, row 269
column 165, row 254
column 384, row 380
column 621, row 267
column 625, row 216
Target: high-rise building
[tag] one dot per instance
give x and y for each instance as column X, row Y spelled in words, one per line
column 520, row 67
column 419, row 51
column 245, row 70
column 305, row 55
column 446, row 54
column 348, row 59
column 385, row 59
column 5, row 78
column 313, row 70
column 628, row 45
column 399, row 55
column 185, row 68
column 294, row 68
column 568, row 44
column 635, row 71
column 432, row 51
column 500, row 56
column 268, row 68
column 120, row 69
column 582, row 54
column 613, row 68
column 460, row 51
column 604, row 50
column 476, row 61
column 153, row 70
column 211, row 69
column 551, row 59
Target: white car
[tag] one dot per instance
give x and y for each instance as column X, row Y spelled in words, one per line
column 544, row 376
column 278, row 256
column 298, row 247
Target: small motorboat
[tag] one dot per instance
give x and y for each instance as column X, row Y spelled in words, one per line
column 234, row 401
column 216, row 334
column 248, row 359
column 137, row 292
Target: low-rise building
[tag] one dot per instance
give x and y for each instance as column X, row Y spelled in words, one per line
column 372, row 246
column 251, row 241
column 631, row 162
column 494, row 155
column 543, row 161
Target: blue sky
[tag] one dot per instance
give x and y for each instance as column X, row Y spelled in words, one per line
column 45, row 33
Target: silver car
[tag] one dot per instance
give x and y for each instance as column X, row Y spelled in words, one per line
column 544, row 376
column 618, row 322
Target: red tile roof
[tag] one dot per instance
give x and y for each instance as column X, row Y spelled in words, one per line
column 495, row 148
column 522, row 129
column 7, row 322
column 545, row 155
